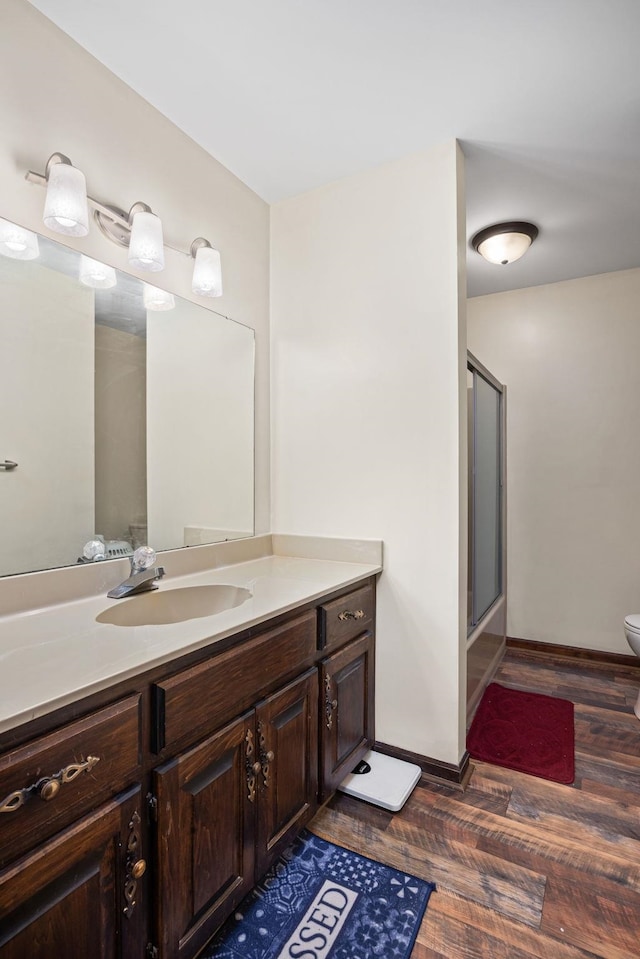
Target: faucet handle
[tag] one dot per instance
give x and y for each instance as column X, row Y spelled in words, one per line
column 143, row 558
column 94, row 550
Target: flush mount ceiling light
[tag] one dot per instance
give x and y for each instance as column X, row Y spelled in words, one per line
column 139, row 230
column 18, row 243
column 504, row 242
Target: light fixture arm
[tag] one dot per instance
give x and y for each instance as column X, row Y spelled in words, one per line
column 55, row 158
column 198, row 244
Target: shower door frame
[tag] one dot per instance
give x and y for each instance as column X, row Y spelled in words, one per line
column 494, row 619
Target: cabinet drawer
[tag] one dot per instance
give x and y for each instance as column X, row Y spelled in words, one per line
column 195, row 702
column 50, row 782
column 345, row 618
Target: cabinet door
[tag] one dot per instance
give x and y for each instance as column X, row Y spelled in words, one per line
column 77, row 894
column 347, row 715
column 287, row 747
column 205, row 835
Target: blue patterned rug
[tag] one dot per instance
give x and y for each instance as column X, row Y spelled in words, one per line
column 323, row 902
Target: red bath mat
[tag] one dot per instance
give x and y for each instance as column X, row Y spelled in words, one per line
column 524, row 731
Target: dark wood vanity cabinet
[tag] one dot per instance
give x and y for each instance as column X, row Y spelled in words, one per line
column 68, row 897
column 347, row 716
column 205, row 770
column 227, row 808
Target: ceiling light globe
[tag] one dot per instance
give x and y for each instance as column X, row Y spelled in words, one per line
column 18, row 243
column 65, row 206
column 95, row 274
column 504, row 248
column 504, row 243
column 146, row 246
column 207, row 272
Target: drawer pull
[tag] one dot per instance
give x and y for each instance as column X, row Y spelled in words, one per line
column 329, row 703
column 48, row 787
column 266, row 756
column 347, row 614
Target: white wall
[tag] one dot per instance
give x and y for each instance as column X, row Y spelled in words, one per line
column 56, row 97
column 120, row 431
column 46, row 396
column 199, row 425
column 568, row 353
column 368, row 364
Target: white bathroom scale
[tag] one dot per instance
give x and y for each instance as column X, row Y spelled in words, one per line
column 382, row 780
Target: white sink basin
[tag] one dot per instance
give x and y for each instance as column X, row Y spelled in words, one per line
column 161, row 607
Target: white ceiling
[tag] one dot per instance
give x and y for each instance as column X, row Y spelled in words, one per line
column 291, row 94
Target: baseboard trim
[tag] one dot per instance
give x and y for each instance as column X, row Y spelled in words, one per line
column 435, row 769
column 575, row 652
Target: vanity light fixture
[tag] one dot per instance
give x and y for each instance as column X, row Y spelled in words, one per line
column 207, row 270
column 156, row 299
column 65, row 206
column 139, row 230
column 505, row 242
column 96, row 274
column 18, row 243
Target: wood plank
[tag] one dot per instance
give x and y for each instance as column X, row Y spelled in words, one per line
column 626, row 796
column 599, row 823
column 449, row 938
column 582, row 914
column 532, row 839
column 611, row 772
column 513, row 934
column 478, row 876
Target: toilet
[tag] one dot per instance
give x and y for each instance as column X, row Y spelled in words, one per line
column 632, row 632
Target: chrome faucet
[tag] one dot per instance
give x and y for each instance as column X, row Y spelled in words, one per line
column 143, row 577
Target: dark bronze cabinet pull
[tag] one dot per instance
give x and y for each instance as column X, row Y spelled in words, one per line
column 350, row 614
column 48, row 787
column 136, row 866
column 251, row 768
column 266, row 756
column 329, row 703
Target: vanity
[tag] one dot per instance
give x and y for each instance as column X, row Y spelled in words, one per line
column 151, row 787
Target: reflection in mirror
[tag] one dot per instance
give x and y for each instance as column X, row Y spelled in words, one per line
column 128, row 411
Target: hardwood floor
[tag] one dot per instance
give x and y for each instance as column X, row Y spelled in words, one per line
column 523, row 867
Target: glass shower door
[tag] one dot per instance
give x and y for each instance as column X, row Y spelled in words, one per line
column 485, row 518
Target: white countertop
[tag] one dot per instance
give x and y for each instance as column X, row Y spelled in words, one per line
column 54, row 655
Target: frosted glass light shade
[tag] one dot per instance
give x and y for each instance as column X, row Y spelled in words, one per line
column 207, row 272
column 146, row 246
column 155, row 299
column 96, row 274
column 503, row 243
column 65, row 206
column 16, row 242
column 504, row 248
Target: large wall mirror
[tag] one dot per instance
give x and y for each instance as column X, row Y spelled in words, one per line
column 130, row 417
